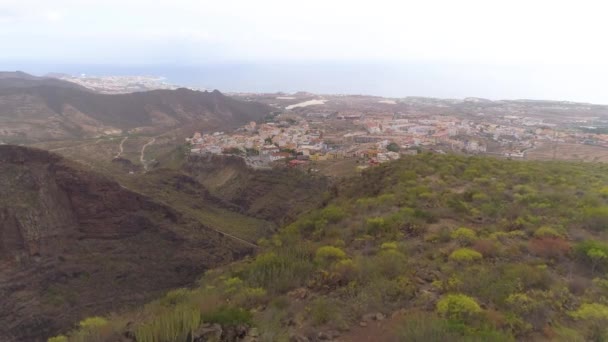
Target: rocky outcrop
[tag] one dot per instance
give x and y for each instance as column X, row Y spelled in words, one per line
column 75, row 244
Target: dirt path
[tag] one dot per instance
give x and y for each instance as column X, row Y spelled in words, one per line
column 143, row 150
column 251, row 244
column 120, row 147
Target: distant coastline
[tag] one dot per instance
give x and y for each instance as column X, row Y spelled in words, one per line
column 388, row 80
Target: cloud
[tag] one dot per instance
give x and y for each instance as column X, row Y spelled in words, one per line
column 53, row 15
column 9, row 13
column 13, row 13
column 475, row 31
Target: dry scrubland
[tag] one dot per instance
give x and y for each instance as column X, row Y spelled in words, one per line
column 429, row 248
column 573, row 152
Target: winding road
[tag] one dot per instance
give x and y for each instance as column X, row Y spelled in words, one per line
column 120, row 147
column 143, row 150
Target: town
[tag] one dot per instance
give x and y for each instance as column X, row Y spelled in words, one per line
column 117, row 84
column 306, row 132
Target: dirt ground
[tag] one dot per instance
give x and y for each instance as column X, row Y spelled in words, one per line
column 573, row 152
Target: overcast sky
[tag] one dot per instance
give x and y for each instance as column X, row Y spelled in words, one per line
column 544, row 36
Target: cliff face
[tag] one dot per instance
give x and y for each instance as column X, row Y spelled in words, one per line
column 74, row 244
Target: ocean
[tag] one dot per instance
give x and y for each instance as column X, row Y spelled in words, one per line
column 383, row 79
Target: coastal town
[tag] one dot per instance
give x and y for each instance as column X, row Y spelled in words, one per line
column 117, row 84
column 306, row 132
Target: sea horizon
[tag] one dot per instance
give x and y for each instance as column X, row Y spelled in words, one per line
column 394, row 80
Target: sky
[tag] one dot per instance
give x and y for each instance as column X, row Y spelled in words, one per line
column 535, row 48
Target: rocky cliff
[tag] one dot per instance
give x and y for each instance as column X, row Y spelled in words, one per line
column 75, row 244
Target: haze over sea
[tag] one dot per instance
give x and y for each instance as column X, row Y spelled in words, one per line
column 440, row 80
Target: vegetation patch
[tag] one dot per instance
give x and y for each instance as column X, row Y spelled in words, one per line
column 463, row 248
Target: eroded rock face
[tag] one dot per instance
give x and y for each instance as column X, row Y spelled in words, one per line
column 75, row 244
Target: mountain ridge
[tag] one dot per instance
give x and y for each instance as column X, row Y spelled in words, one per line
column 41, row 109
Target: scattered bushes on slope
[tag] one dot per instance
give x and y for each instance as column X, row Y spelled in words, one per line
column 381, row 246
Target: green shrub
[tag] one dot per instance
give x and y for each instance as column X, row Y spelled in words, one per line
column 93, row 322
column 390, row 263
column 458, row 307
column 597, row 256
column 593, row 252
column 489, row 283
column 396, row 290
column 517, row 234
column 547, row 232
column 388, row 246
column 279, row 271
column 595, row 317
column 591, row 311
column 427, row 216
column 322, row 311
column 530, row 277
column 519, row 302
column 60, row 338
column 464, row 235
column 328, row 254
column 173, row 324
column 250, row 296
column 376, row 225
column 595, row 218
column 232, row 285
column 333, row 214
column 228, row 316
column 465, row 255
column 517, row 325
column 563, row 333
column 345, row 271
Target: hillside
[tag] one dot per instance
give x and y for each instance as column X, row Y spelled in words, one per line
column 19, row 79
column 429, row 248
column 277, row 195
column 39, row 109
column 74, row 243
column 225, row 194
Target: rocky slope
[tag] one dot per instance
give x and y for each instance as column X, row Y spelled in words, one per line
column 75, row 244
column 39, row 109
column 431, row 247
column 277, row 195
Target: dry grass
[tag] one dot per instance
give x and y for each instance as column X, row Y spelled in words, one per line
column 336, row 168
column 572, row 152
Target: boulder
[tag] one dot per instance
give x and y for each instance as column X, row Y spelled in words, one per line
column 208, row 332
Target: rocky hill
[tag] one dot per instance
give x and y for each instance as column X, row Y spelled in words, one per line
column 429, row 248
column 19, row 79
column 73, row 243
column 38, row 109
